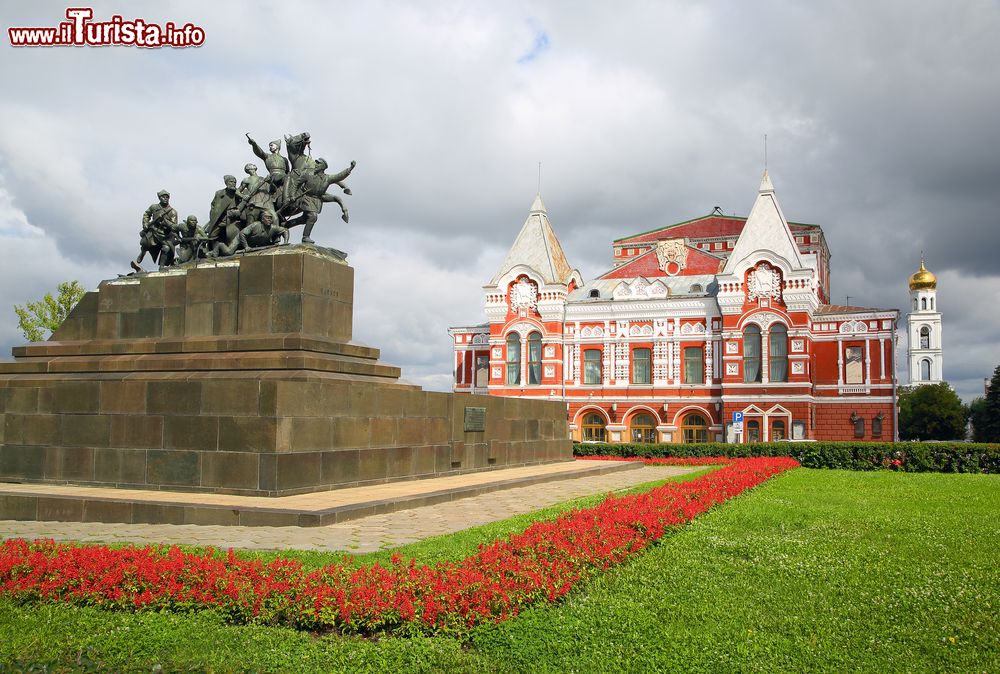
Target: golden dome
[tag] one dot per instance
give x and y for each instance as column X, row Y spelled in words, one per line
column 923, row 279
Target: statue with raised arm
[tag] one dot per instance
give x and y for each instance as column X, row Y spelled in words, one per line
column 312, row 195
column 276, row 165
column 157, row 236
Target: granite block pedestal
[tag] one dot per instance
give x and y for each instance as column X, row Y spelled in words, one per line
column 240, row 377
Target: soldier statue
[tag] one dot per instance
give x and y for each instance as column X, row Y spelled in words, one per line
column 255, row 192
column 224, row 200
column 159, row 227
column 193, row 243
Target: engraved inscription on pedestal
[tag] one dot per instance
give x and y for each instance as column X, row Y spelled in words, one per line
column 475, row 419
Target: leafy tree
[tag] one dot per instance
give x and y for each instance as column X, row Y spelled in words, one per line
column 931, row 412
column 985, row 413
column 40, row 319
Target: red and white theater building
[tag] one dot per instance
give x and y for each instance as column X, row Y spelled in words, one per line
column 693, row 322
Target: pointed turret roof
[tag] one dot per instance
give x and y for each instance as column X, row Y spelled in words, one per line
column 765, row 229
column 537, row 247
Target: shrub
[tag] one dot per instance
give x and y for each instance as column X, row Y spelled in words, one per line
column 913, row 457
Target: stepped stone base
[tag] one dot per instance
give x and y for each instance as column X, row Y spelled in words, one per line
column 239, row 377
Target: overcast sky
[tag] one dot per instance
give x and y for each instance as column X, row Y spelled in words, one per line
column 883, row 125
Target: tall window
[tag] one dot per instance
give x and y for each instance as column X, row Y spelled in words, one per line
column 925, row 370
column 593, row 428
column 695, row 428
column 640, row 366
column 777, row 352
column 925, row 337
column 753, row 431
column 643, row 428
column 853, row 367
column 513, row 358
column 535, row 358
column 923, row 302
column 694, row 365
column 777, row 430
column 592, row 366
column 482, row 371
column 751, row 354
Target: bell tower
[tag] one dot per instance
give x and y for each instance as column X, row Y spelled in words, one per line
column 924, row 329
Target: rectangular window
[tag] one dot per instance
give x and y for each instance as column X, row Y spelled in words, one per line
column 640, row 366
column 694, row 365
column 853, row 367
column 592, row 366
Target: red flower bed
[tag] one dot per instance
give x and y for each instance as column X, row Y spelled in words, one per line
column 541, row 564
column 667, row 460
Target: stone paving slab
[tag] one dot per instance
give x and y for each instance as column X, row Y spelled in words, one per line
column 67, row 503
column 366, row 534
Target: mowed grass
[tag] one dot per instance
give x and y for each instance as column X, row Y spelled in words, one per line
column 814, row 571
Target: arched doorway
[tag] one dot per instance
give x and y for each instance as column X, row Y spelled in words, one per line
column 695, row 428
column 643, row 428
column 593, row 428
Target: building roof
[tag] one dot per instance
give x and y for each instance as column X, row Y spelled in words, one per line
column 703, row 227
column 647, row 265
column 537, row 247
column 678, row 286
column 766, row 230
column 830, row 309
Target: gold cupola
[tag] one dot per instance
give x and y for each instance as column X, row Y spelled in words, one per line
column 923, row 279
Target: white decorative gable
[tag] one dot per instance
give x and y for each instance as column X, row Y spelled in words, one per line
column 765, row 230
column 639, row 289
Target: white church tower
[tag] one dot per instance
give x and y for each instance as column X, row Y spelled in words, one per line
column 924, row 329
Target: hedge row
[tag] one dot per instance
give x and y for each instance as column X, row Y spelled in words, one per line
column 913, row 457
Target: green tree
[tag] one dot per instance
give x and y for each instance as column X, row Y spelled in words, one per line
column 40, row 319
column 931, row 412
column 985, row 413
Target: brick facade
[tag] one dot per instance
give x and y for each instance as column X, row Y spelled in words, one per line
column 692, row 323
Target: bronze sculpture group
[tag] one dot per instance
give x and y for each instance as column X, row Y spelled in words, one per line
column 254, row 214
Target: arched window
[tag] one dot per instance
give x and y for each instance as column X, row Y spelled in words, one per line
column 778, row 430
column 593, row 427
column 932, row 304
column 753, row 431
column 751, row 354
column 597, row 293
column 777, row 352
column 592, row 366
column 535, row 358
column 696, row 288
column 925, row 370
column 914, row 302
column 925, row 337
column 643, row 428
column 695, row 428
column 513, row 358
column 923, row 302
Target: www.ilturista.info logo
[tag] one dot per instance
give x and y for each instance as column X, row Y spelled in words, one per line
column 80, row 31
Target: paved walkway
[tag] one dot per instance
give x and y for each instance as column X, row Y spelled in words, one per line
column 366, row 534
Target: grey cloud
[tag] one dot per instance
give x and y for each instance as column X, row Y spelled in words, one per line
column 880, row 122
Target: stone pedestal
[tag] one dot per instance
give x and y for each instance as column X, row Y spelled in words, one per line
column 240, row 377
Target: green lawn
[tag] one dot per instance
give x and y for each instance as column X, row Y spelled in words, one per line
column 817, row 570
